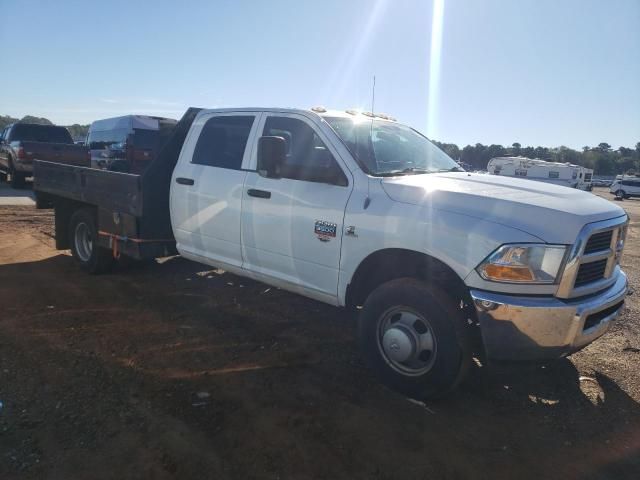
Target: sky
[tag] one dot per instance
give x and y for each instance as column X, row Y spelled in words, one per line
column 537, row 72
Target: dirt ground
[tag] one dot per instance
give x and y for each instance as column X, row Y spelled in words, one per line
column 171, row 370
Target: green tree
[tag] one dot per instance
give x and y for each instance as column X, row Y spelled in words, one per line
column 38, row 120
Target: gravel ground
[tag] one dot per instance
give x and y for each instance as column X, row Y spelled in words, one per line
column 173, row 370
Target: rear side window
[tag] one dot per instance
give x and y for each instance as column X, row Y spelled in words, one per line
column 146, row 139
column 222, row 142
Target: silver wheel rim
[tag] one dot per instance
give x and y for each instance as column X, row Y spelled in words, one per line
column 406, row 341
column 83, row 241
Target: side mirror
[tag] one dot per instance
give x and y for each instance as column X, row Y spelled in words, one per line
column 272, row 153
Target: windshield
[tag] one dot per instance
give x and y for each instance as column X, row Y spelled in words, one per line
column 384, row 148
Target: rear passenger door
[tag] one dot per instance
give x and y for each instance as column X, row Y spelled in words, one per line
column 207, row 186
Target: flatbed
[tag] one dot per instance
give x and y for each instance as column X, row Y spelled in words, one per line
column 132, row 211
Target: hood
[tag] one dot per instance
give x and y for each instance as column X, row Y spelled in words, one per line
column 552, row 213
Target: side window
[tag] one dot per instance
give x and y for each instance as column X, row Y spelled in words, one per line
column 7, row 134
column 222, row 142
column 554, row 174
column 308, row 158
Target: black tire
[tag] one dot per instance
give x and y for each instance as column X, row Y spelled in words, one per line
column 91, row 257
column 17, row 178
column 452, row 354
column 620, row 194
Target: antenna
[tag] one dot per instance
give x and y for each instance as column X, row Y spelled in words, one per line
column 373, row 95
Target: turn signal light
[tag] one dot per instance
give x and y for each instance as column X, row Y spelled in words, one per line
column 509, row 273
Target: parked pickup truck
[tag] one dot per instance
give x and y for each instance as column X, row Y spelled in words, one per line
column 22, row 143
column 362, row 212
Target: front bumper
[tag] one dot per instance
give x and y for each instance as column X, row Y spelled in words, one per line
column 537, row 328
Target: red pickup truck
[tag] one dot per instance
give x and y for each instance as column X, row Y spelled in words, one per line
column 22, row 143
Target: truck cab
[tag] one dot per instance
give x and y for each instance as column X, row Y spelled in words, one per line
column 344, row 207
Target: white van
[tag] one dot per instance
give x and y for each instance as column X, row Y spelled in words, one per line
column 626, row 186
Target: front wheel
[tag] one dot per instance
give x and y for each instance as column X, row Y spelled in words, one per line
column 414, row 338
column 83, row 235
column 620, row 194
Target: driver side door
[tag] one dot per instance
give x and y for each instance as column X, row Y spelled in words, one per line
column 292, row 226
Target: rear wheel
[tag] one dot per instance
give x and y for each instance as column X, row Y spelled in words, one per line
column 414, row 338
column 83, row 235
column 16, row 178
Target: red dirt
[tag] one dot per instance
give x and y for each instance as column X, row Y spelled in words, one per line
column 99, row 376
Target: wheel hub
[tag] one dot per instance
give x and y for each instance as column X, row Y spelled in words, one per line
column 84, row 242
column 398, row 344
column 406, row 341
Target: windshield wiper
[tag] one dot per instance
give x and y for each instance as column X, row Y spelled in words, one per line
column 452, row 169
column 406, row 171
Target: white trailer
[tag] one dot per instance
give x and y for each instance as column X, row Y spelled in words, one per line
column 565, row 174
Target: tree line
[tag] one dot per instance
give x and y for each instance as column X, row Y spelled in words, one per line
column 78, row 132
column 603, row 159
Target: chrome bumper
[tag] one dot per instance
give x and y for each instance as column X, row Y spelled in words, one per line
column 537, row 328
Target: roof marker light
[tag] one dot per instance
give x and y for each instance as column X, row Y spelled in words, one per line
column 319, row 109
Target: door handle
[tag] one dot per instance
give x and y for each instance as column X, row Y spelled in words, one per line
column 184, row 181
column 252, row 192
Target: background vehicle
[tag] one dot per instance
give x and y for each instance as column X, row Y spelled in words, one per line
column 626, row 187
column 22, row 143
column 357, row 211
column 565, row 174
column 127, row 144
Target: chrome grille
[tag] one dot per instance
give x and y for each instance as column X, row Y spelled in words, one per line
column 593, row 259
column 590, row 272
column 599, row 241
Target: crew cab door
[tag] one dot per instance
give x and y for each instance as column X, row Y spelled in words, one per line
column 207, row 188
column 292, row 226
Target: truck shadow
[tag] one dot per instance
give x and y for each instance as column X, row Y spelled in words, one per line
column 284, row 383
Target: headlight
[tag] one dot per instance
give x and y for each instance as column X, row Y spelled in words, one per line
column 525, row 263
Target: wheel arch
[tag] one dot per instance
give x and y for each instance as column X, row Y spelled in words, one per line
column 390, row 263
column 64, row 210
